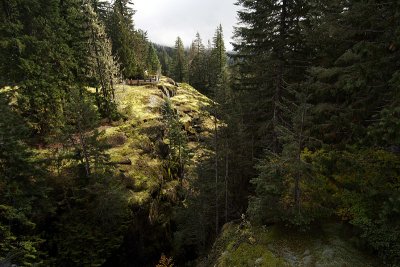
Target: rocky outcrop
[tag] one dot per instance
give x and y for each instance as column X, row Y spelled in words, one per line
column 246, row 245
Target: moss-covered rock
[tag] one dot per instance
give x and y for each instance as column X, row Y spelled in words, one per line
column 246, row 245
column 139, row 137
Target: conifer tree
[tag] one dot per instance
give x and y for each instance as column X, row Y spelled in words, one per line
column 179, row 62
column 102, row 69
column 141, row 47
column 166, row 62
column 273, row 56
column 42, row 58
column 271, row 53
column 90, row 177
column 197, row 64
column 177, row 140
column 22, row 190
column 121, row 32
column 153, row 63
column 218, row 59
column 357, row 70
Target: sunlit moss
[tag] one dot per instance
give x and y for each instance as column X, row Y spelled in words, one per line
column 250, row 255
column 246, row 245
column 135, row 138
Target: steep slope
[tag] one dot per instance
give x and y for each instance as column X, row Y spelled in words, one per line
column 140, row 149
column 241, row 244
column 137, row 143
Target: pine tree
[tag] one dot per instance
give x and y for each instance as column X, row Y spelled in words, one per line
column 177, row 141
column 197, row 64
column 153, row 63
column 165, row 61
column 22, row 190
column 271, row 53
column 84, row 184
column 102, row 70
column 218, row 59
column 354, row 88
column 121, row 32
column 179, row 62
column 37, row 44
column 353, row 80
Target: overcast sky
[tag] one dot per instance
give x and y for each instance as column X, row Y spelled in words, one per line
column 164, row 20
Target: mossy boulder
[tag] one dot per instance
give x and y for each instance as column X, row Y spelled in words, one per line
column 246, row 245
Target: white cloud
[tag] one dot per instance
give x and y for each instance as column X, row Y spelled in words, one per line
column 164, row 20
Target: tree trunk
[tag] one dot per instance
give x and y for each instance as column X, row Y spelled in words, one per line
column 226, row 180
column 216, row 173
column 279, row 79
column 84, row 150
column 297, row 189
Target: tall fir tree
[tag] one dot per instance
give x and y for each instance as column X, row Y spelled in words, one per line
column 271, row 54
column 179, row 62
column 153, row 63
column 23, row 192
column 273, row 58
column 197, row 64
column 218, row 58
column 121, row 32
column 37, row 42
column 102, row 70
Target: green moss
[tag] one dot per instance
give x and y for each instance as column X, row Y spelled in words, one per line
column 247, row 245
column 135, row 102
column 135, row 138
column 250, row 255
column 139, row 198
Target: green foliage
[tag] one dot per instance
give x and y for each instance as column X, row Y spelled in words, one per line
column 315, row 84
column 92, row 222
column 197, row 64
column 179, row 63
column 385, row 131
column 41, row 61
column 365, row 186
column 165, row 60
column 176, row 139
column 92, row 209
column 102, row 70
column 343, row 59
column 22, row 191
column 218, row 58
column 286, row 188
column 153, row 63
column 275, row 200
column 207, row 66
column 121, row 32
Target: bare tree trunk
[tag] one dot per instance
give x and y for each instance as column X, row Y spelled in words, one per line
column 297, row 189
column 112, row 88
column 84, row 150
column 226, row 179
column 216, row 174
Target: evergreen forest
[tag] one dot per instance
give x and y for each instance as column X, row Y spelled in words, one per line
column 117, row 151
